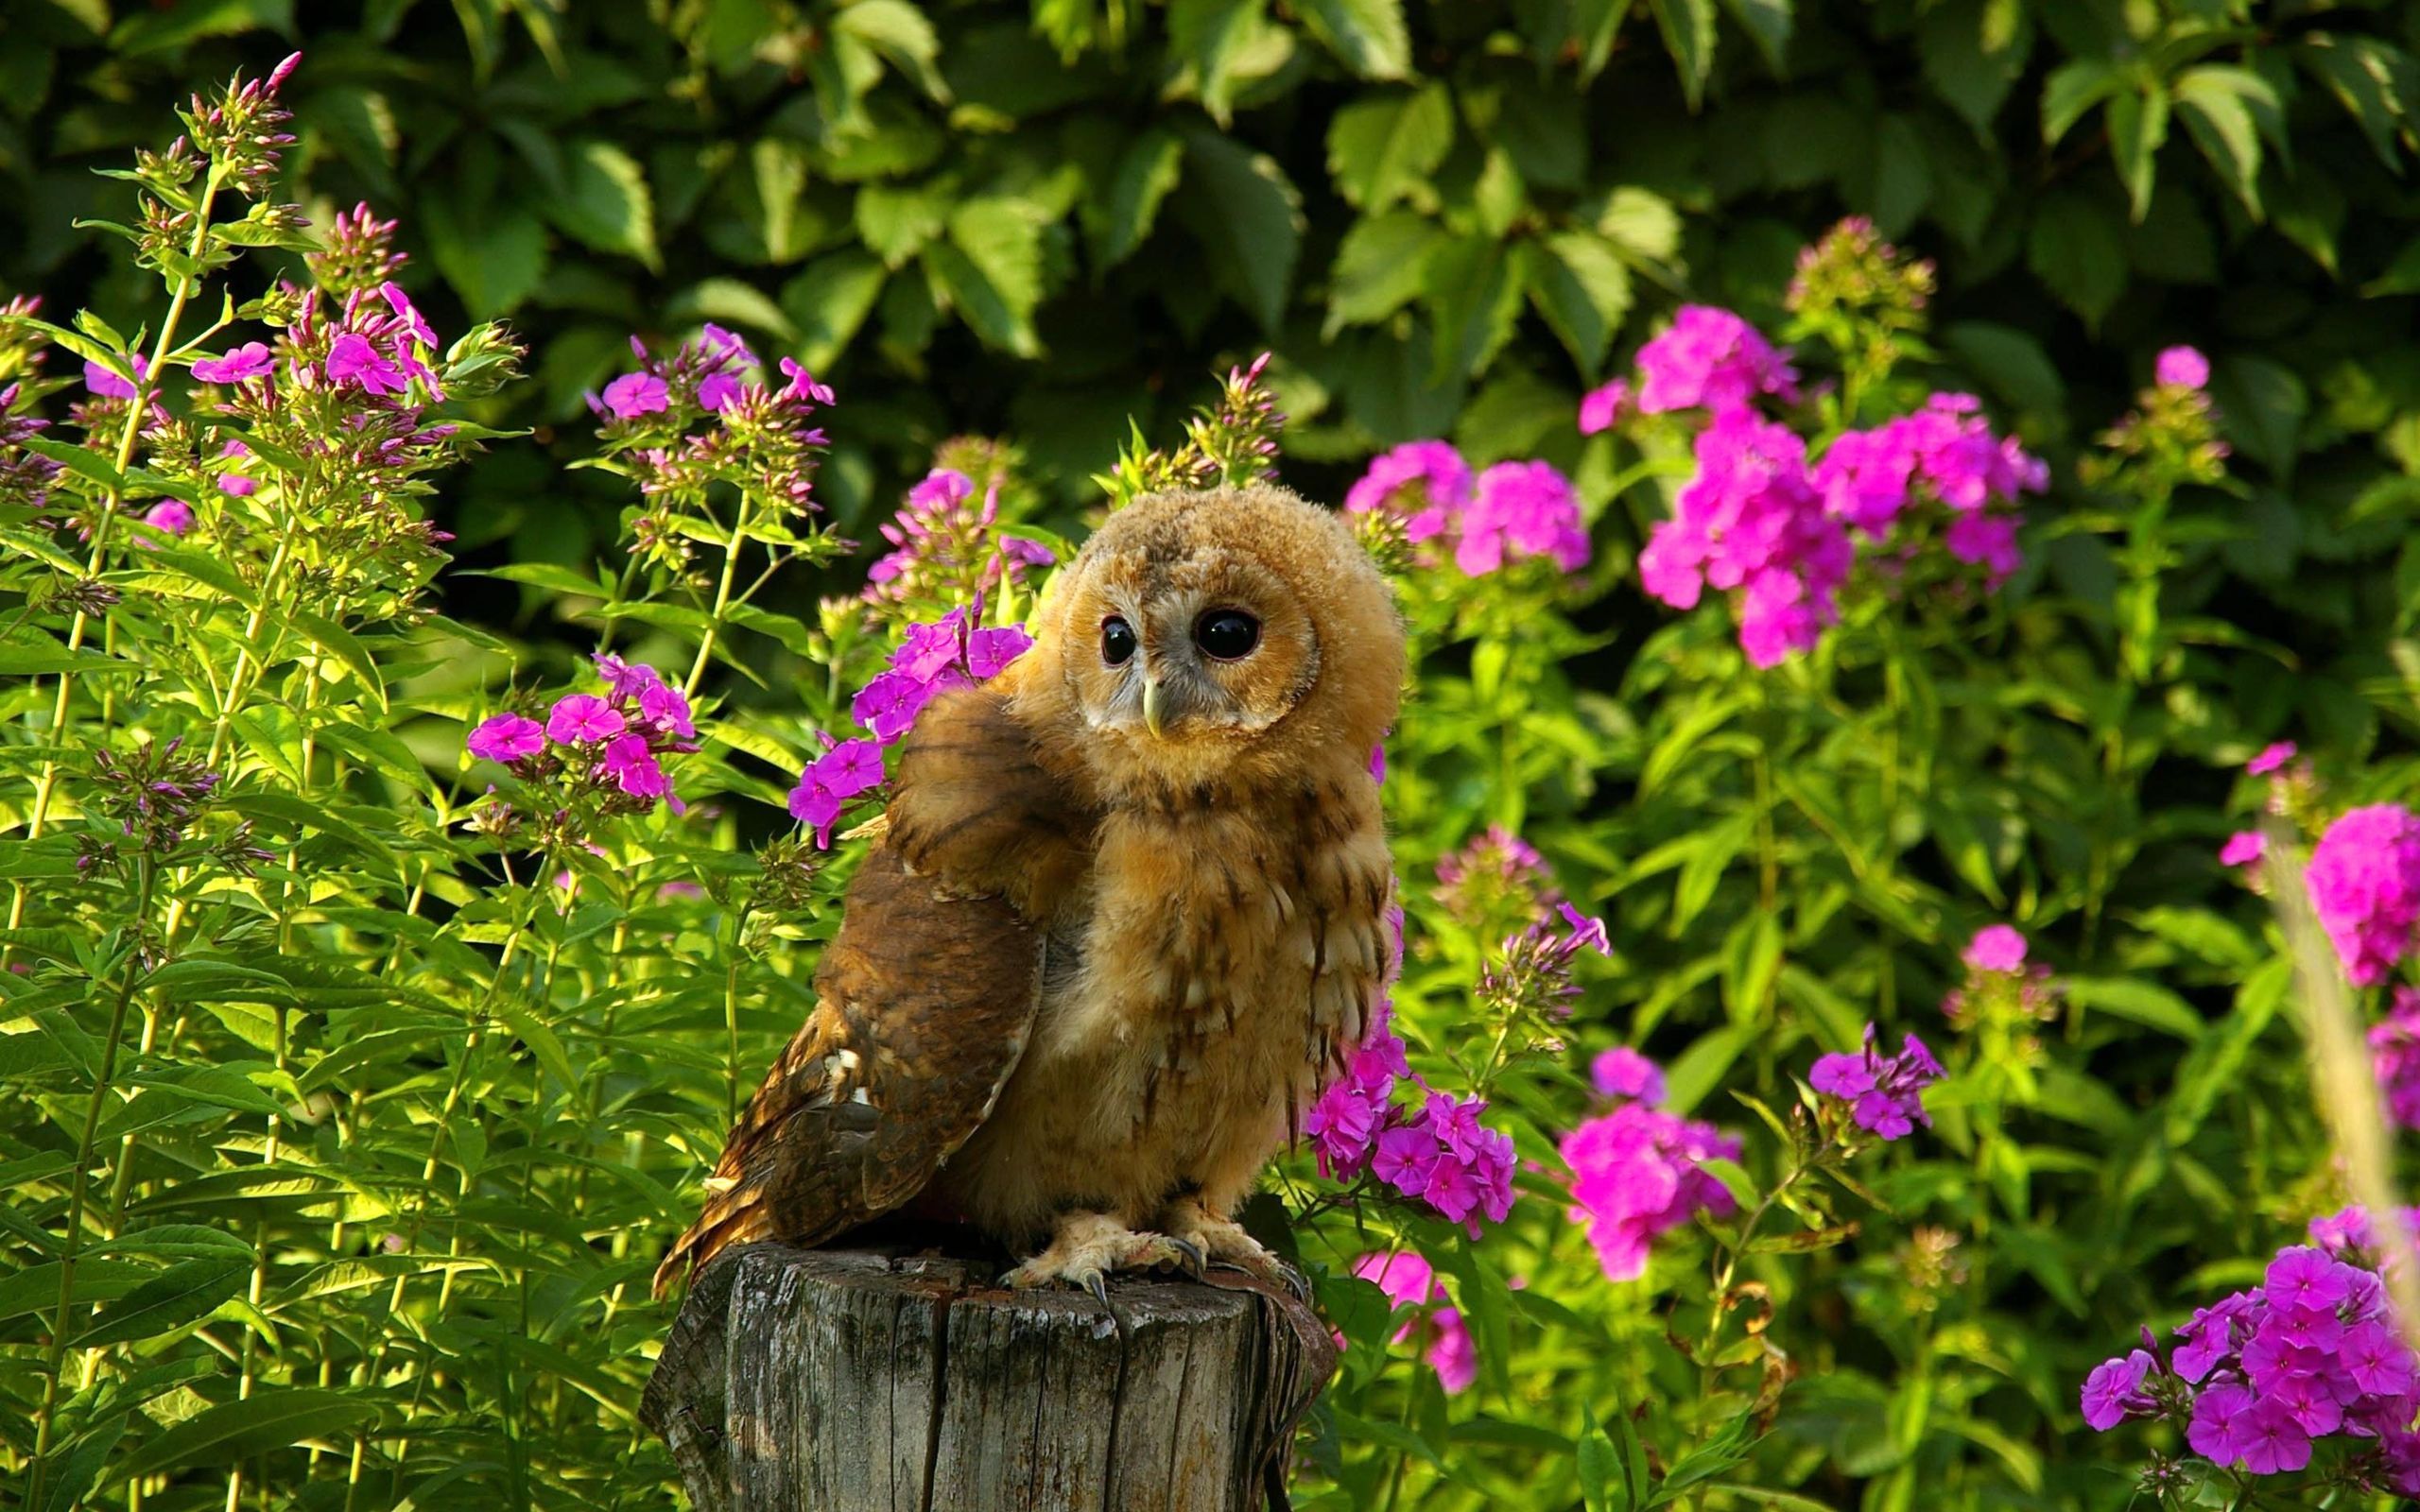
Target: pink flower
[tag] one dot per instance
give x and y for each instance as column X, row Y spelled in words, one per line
column 2114, row 1392
column 2365, row 881
column 633, row 768
column 103, row 384
column 507, row 738
column 2182, row 367
column 2395, row 1053
column 1602, row 409
column 1883, row 1092
column 408, row 315
column 2270, row 759
column 1711, row 359
column 2244, row 849
column 1425, row 484
column 717, row 389
column 1636, row 1173
column 235, row 483
column 1410, row 1283
column 1751, row 521
column 1996, row 948
column 352, row 359
column 172, row 516
column 665, row 706
column 830, row 781
column 1521, row 510
column 802, row 383
column 989, row 650
column 251, row 360
column 634, row 394
column 1622, row 1071
column 580, row 718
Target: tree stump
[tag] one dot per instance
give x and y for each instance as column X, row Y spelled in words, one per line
column 860, row 1381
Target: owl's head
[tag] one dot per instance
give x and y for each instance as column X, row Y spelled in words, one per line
column 1225, row 636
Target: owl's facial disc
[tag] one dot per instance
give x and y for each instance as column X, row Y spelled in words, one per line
column 1199, row 646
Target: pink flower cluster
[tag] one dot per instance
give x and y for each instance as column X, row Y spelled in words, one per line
column 2260, row 1376
column 2365, row 881
column 1511, row 512
column 2394, row 1052
column 1883, row 1092
column 950, row 652
column 616, row 740
column 1411, row 1282
column 1636, row 1171
column 2182, row 368
column 941, row 545
column 1752, row 523
column 1439, row 1153
column 1494, row 872
column 1868, row 479
column 850, row 768
column 1759, row 523
column 1998, row 977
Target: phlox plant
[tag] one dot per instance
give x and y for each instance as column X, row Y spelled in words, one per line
column 1806, row 1030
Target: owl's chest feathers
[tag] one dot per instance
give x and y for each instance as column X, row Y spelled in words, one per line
column 1225, row 951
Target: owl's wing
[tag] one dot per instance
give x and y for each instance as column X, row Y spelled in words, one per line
column 923, row 1004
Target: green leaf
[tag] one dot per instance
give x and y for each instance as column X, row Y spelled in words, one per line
column 1381, row 266
column 730, row 302
column 605, row 201
column 1687, row 26
column 1767, row 24
column 2072, row 88
column 267, row 1420
column 1580, row 285
column 1642, row 223
column 1148, row 171
column 24, row 661
column 1367, row 36
column 1250, row 216
column 2374, row 81
column 899, row 32
column 2075, row 247
column 1970, row 69
column 1600, row 1466
column 896, row 222
column 185, row 1292
column 2262, row 405
column 1479, row 297
column 340, row 643
column 1002, row 240
column 2137, row 126
column 828, row 303
column 1210, row 37
column 2222, row 108
column 2144, row 1003
column 2010, row 363
column 1385, row 147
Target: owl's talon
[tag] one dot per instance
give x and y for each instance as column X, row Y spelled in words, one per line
column 1099, row 1285
column 1193, row 1260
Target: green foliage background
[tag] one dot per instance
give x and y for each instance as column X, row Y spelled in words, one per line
column 1448, row 218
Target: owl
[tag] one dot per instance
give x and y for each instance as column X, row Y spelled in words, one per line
column 1128, row 911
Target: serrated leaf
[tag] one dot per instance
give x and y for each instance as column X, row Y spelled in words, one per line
column 1367, row 36
column 828, row 303
column 1248, row 215
column 2374, row 81
column 1148, row 171
column 1642, row 223
column 1384, row 147
column 1211, row 36
column 1580, row 285
column 605, row 201
column 730, row 302
column 898, row 222
column 1477, row 295
column 2072, row 88
column 1381, row 266
column 1687, row 26
column 2220, row 107
column 2137, row 126
column 2074, row 246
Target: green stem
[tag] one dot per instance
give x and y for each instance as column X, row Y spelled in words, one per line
column 722, row 604
column 55, row 1356
column 46, row 783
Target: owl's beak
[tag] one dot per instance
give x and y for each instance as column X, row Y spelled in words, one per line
column 1151, row 705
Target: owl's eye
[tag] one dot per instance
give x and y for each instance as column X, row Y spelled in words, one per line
column 1227, row 633
column 1117, row 640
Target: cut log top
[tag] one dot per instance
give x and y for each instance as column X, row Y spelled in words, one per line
column 860, row 1381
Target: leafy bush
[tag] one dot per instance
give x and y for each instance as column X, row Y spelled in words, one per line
column 351, row 1101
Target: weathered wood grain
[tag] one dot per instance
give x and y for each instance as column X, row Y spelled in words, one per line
column 831, row 1380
